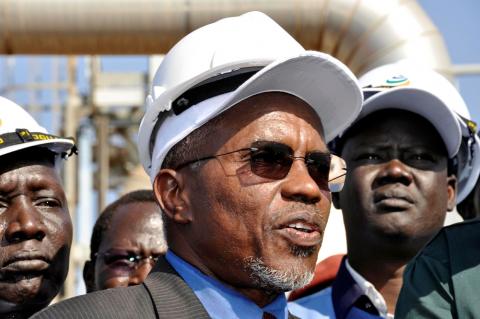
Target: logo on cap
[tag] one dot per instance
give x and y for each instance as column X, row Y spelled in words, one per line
column 397, row 80
column 390, row 83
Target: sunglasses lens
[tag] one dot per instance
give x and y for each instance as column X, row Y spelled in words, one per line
column 328, row 171
column 119, row 260
column 337, row 174
column 318, row 167
column 271, row 161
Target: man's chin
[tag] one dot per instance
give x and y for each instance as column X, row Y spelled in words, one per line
column 22, row 304
column 26, row 292
column 277, row 279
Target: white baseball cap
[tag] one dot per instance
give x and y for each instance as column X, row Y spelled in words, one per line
column 408, row 86
column 18, row 131
column 254, row 55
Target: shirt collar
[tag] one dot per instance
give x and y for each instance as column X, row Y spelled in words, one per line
column 368, row 290
column 349, row 290
column 221, row 301
column 345, row 291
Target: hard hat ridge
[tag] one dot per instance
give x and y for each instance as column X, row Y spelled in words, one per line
column 255, row 47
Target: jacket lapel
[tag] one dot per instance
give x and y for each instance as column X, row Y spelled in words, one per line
column 172, row 297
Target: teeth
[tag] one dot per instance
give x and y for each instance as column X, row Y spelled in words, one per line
column 301, row 227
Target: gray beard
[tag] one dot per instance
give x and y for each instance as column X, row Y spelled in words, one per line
column 276, row 280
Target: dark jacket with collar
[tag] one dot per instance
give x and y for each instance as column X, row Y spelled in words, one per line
column 348, row 298
column 163, row 295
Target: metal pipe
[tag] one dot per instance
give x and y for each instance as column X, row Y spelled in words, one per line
column 102, row 123
column 465, row 69
column 70, row 126
column 362, row 33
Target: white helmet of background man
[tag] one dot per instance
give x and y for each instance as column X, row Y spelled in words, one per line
column 411, row 87
column 18, row 131
column 254, row 55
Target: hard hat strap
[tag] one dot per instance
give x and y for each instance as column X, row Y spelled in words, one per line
column 219, row 84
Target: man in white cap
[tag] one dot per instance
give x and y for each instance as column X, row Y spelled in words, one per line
column 405, row 154
column 234, row 140
column 35, row 225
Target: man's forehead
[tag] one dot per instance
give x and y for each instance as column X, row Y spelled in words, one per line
column 273, row 116
column 271, row 106
column 391, row 120
column 47, row 166
column 379, row 128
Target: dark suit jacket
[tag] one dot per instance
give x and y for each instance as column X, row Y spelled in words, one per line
column 163, row 295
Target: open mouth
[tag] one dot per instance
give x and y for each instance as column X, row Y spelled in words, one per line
column 301, row 233
column 302, row 227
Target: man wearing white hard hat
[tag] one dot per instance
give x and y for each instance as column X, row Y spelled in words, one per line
column 234, row 139
column 35, row 225
column 409, row 151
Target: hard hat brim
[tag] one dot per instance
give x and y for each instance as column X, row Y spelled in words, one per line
column 423, row 103
column 57, row 146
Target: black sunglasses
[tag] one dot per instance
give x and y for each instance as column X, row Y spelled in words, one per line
column 125, row 260
column 272, row 160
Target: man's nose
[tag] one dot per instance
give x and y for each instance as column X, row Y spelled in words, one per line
column 299, row 185
column 141, row 272
column 394, row 171
column 25, row 223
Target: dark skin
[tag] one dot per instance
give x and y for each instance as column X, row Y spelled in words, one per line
column 396, row 195
column 134, row 229
column 220, row 213
column 36, row 233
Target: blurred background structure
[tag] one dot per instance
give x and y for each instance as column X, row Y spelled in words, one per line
column 83, row 67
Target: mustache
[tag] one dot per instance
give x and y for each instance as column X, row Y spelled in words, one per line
column 312, row 209
column 292, row 208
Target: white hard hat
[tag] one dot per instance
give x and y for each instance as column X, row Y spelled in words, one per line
column 254, row 55
column 411, row 87
column 18, row 131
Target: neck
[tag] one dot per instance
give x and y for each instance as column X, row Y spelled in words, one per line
column 11, row 310
column 382, row 265
column 385, row 276
column 260, row 296
column 17, row 314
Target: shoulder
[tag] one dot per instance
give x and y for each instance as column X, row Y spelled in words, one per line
column 442, row 274
column 111, row 303
column 455, row 240
column 318, row 305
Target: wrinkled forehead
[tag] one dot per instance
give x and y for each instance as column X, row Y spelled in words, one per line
column 29, row 157
column 395, row 119
column 266, row 112
column 133, row 224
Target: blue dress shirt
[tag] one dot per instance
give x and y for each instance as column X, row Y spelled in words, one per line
column 345, row 299
column 220, row 301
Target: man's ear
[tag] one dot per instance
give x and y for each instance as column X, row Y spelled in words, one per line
column 336, row 200
column 451, row 192
column 169, row 189
column 89, row 275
